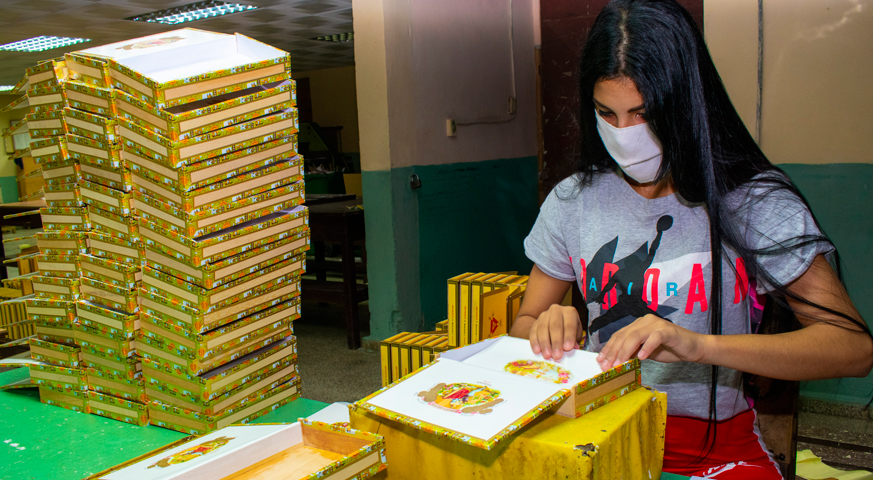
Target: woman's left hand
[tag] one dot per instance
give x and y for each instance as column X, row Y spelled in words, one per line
column 655, row 338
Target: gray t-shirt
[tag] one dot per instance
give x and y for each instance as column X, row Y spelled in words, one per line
column 654, row 255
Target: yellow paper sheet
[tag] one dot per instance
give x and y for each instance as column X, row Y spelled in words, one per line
column 810, row 467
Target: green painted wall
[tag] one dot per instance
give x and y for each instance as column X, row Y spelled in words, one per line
column 472, row 217
column 9, row 185
column 842, row 200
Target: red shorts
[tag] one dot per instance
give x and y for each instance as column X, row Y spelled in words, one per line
column 739, row 451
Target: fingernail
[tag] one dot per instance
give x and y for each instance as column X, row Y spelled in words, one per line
column 546, row 352
column 568, row 345
column 536, row 349
column 599, row 357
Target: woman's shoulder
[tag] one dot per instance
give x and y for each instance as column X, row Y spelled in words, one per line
column 576, row 188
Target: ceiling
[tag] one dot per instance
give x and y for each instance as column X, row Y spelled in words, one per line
column 286, row 24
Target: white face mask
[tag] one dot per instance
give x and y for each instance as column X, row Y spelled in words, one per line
column 635, row 149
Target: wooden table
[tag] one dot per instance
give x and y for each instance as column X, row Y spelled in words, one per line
column 29, row 221
column 343, row 223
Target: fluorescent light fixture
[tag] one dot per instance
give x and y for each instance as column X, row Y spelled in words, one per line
column 7, row 88
column 339, row 37
column 192, row 12
column 38, row 44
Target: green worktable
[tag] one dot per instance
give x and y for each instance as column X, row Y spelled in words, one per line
column 39, row 441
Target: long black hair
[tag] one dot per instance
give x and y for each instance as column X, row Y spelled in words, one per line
column 707, row 151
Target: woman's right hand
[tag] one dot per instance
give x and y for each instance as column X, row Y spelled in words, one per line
column 557, row 330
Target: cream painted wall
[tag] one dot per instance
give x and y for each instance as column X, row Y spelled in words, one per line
column 731, row 29
column 448, row 59
column 817, row 97
column 334, row 101
column 817, row 81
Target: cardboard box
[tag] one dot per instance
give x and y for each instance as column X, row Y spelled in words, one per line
column 46, row 73
column 186, row 65
column 62, row 243
column 55, row 332
column 123, row 275
column 225, row 339
column 46, row 98
column 62, row 379
column 312, row 450
column 118, row 408
column 106, row 198
column 132, row 389
column 55, row 353
column 66, row 266
column 75, row 400
column 191, row 176
column 213, row 248
column 203, row 116
column 46, row 124
column 57, row 288
column 60, row 173
column 91, row 98
column 93, row 339
column 119, row 366
column 50, row 311
column 125, row 250
column 63, row 195
column 91, row 71
column 64, row 219
column 89, row 125
column 228, row 294
column 214, row 275
column 109, row 322
column 49, row 150
column 184, row 420
column 110, row 224
column 100, row 162
column 227, row 191
column 109, row 295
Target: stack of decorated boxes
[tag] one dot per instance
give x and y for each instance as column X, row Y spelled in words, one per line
column 211, row 187
column 61, row 376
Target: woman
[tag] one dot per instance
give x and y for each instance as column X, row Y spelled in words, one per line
column 670, row 180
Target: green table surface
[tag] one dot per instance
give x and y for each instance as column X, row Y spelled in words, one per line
column 39, row 441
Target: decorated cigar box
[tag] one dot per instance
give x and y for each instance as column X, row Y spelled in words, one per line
column 49, row 150
column 231, row 269
column 64, row 219
column 224, row 380
column 91, row 98
column 89, row 125
column 116, row 365
column 75, row 400
column 189, row 364
column 46, row 98
column 118, row 408
column 171, row 310
column 62, row 243
column 107, row 321
column 103, row 173
column 214, row 247
column 83, row 69
column 95, row 340
column 50, row 311
column 62, row 379
column 211, row 144
column 100, row 162
column 228, row 338
column 120, row 274
column 55, row 353
column 59, row 265
column 18, row 128
column 108, row 223
column 46, row 73
column 212, row 218
column 54, row 332
column 183, row 66
column 60, row 288
column 63, row 195
column 45, row 124
column 60, row 173
column 109, row 295
column 184, row 420
column 245, row 394
column 116, row 385
column 20, row 103
column 185, row 177
column 106, row 198
column 483, row 393
column 125, row 250
column 203, row 116
column 227, row 294
column 304, row 450
column 226, row 191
